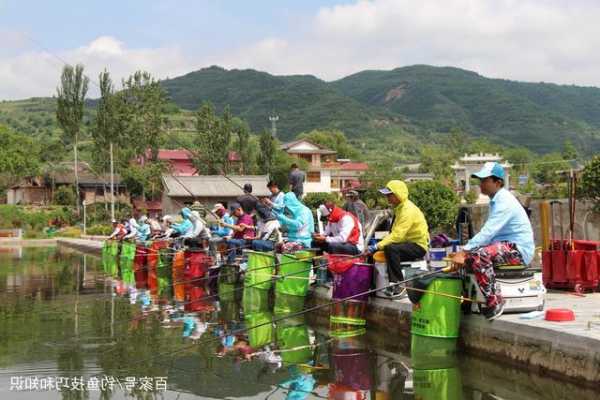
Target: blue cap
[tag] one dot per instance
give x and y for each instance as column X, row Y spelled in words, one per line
column 385, row 191
column 490, row 169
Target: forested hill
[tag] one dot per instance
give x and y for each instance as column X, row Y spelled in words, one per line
column 540, row 116
column 302, row 102
column 537, row 115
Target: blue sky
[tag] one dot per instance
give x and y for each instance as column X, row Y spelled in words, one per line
column 529, row 40
column 197, row 25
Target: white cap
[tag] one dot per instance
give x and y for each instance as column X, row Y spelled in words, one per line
column 324, row 210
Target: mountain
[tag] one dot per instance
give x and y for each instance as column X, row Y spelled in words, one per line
column 302, row 102
column 539, row 116
column 374, row 104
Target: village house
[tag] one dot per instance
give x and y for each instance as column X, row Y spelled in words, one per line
column 93, row 188
column 325, row 174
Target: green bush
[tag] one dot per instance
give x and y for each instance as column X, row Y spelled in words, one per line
column 438, row 202
column 471, row 196
column 590, row 182
column 64, row 196
column 34, row 219
column 70, row 232
column 99, row 213
column 314, row 200
column 100, row 230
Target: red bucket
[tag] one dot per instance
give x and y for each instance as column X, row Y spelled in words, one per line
column 547, row 267
column 139, row 267
column 559, row 266
column 340, row 263
column 197, row 264
column 575, row 266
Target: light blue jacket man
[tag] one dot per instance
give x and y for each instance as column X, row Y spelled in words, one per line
column 300, row 224
column 186, row 227
column 507, row 220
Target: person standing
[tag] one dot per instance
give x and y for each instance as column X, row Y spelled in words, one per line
column 357, row 207
column 296, row 180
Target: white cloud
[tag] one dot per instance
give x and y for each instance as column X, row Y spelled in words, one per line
column 516, row 39
column 553, row 41
column 36, row 73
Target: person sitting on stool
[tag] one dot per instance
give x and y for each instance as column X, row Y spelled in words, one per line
column 343, row 233
column 408, row 239
column 505, row 238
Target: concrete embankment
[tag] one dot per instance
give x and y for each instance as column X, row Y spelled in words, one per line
column 567, row 350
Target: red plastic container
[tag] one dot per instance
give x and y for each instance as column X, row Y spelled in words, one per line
column 547, row 267
column 195, row 299
column 140, row 270
column 560, row 315
column 196, row 267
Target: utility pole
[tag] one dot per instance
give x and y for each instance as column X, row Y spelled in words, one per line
column 274, row 119
column 112, row 184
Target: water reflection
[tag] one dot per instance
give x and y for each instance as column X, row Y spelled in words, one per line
column 62, row 315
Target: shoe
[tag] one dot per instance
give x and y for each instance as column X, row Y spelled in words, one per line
column 493, row 313
column 394, row 293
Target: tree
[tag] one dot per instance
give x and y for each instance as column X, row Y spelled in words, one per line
column 376, row 177
column 268, row 147
column 590, row 182
column 140, row 108
column 212, row 140
column 69, row 112
column 438, row 203
column 333, row 140
column 19, row 157
column 569, row 152
column 242, row 131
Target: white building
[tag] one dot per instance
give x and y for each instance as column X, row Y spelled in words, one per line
column 471, row 163
column 321, row 164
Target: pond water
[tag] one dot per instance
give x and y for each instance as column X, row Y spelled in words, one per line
column 67, row 331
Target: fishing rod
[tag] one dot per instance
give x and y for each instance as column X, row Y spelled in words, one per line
column 193, row 280
column 235, row 290
column 295, row 314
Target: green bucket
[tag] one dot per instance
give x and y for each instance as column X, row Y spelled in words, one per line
column 165, row 272
column 255, row 300
column 126, row 262
column 226, row 291
column 296, row 267
column 259, row 273
column 437, row 315
column 109, row 257
column 294, row 343
column 432, row 353
column 286, row 304
column 260, row 328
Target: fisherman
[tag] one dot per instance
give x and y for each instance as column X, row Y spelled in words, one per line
column 343, row 233
column 357, row 207
column 185, row 227
column 248, row 201
column 243, row 231
column 268, row 229
column 408, row 239
column 143, row 229
column 506, row 238
column 200, row 234
column 300, row 225
column 166, row 229
column 119, row 231
column 155, row 227
column 276, row 199
column 132, row 229
column 222, row 231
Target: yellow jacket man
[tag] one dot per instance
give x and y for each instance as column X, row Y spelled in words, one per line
column 408, row 239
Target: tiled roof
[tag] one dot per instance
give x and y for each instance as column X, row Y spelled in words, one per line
column 354, row 166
